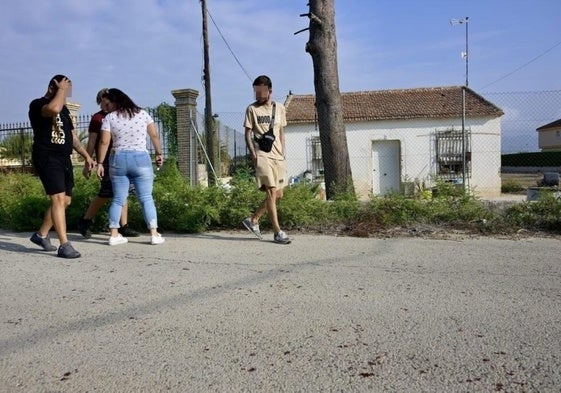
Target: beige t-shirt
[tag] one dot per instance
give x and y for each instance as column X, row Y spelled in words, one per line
column 258, row 118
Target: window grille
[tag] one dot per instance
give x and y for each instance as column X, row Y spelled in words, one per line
column 315, row 160
column 449, row 162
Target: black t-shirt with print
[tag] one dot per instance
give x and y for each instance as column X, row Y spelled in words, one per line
column 51, row 134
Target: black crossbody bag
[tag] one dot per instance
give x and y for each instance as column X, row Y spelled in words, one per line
column 268, row 139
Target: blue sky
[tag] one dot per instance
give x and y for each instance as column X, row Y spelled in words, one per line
column 149, row 47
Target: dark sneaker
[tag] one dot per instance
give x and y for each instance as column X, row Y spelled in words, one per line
column 126, row 231
column 253, row 228
column 44, row 242
column 84, row 227
column 281, row 238
column 67, row 251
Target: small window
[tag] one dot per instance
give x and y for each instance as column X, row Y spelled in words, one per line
column 557, row 134
column 315, row 161
column 450, row 164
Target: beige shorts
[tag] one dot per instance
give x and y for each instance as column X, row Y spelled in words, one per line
column 270, row 173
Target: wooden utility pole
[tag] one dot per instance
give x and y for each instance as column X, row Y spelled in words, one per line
column 209, row 120
column 322, row 46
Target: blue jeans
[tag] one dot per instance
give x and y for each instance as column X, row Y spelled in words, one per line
column 126, row 166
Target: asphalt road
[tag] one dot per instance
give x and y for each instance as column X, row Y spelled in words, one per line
column 224, row 312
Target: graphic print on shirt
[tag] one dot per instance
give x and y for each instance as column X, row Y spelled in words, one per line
column 57, row 132
column 264, row 119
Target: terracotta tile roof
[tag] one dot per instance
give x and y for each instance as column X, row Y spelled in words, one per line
column 418, row 103
column 555, row 124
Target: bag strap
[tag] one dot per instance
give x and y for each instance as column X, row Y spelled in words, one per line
column 272, row 124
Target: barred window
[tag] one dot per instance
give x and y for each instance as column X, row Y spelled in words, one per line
column 315, row 160
column 449, row 162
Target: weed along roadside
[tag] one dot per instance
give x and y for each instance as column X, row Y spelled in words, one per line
column 184, row 209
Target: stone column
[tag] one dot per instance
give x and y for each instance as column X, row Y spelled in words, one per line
column 186, row 106
column 74, row 109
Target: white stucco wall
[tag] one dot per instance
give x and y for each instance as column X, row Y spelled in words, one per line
column 549, row 139
column 417, row 150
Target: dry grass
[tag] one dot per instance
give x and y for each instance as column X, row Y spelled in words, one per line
column 525, row 180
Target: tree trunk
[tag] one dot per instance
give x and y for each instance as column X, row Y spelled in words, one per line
column 209, row 119
column 322, row 47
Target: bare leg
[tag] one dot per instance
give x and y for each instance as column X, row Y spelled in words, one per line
column 272, row 208
column 97, row 203
column 125, row 214
column 94, row 207
column 262, row 209
column 59, row 203
column 47, row 223
column 269, row 206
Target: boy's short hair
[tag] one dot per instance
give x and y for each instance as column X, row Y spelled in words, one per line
column 263, row 80
column 100, row 95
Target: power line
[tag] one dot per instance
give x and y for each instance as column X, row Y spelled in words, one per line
column 228, row 45
column 523, row 65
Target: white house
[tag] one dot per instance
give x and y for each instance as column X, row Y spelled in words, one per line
column 398, row 138
column 549, row 136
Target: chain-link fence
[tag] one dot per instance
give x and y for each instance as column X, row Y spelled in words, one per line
column 524, row 112
column 16, row 140
column 230, row 133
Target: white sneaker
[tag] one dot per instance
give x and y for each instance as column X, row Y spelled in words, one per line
column 116, row 240
column 157, row 239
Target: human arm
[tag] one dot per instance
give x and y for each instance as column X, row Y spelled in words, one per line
column 153, row 134
column 77, row 145
column 250, row 145
column 283, row 145
column 282, row 134
column 54, row 107
column 248, row 124
column 105, row 136
column 90, row 148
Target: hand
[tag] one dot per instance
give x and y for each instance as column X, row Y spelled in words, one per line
column 100, row 171
column 159, row 161
column 90, row 164
column 86, row 171
column 254, row 158
column 65, row 84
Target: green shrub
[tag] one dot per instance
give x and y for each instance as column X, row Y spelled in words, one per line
column 241, row 200
column 511, row 186
column 395, row 209
column 85, row 190
column 300, row 207
column 27, row 213
column 15, row 189
column 344, row 206
column 182, row 208
column 543, row 214
column 185, row 209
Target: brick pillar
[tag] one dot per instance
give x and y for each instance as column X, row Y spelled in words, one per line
column 186, row 106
